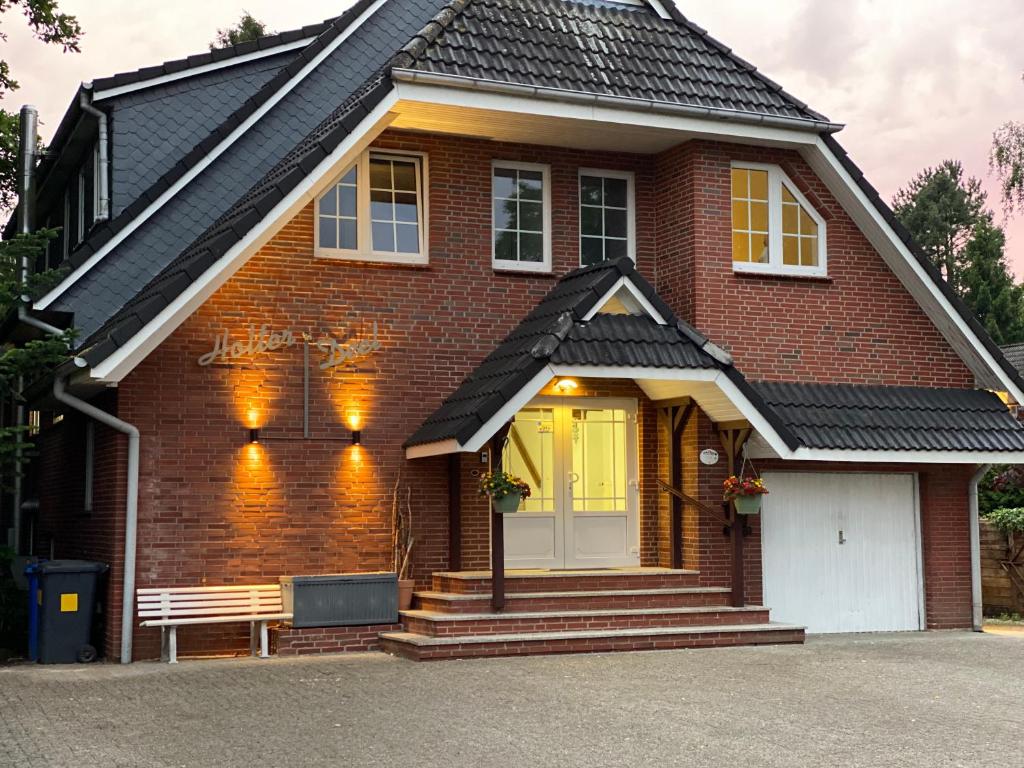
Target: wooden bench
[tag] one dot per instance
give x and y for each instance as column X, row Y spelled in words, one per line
column 180, row 606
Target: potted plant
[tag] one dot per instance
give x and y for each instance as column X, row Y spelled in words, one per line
column 505, row 490
column 745, row 493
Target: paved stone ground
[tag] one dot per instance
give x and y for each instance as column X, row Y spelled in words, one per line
column 947, row 699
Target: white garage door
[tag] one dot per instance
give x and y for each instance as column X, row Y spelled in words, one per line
column 841, row 551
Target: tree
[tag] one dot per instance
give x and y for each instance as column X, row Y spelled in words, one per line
column 52, row 27
column 988, row 287
column 1007, row 160
column 941, row 209
column 247, row 29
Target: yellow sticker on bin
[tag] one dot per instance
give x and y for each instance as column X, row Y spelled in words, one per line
column 69, row 602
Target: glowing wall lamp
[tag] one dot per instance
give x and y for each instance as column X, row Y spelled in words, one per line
column 565, row 386
column 355, row 426
column 254, row 435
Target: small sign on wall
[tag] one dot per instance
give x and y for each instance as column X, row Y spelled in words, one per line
column 709, row 457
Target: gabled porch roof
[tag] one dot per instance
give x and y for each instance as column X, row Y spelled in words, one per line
column 607, row 321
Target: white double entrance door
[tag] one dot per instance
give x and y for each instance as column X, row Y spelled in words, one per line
column 579, row 456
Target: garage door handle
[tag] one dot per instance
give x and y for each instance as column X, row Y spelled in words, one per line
column 842, row 538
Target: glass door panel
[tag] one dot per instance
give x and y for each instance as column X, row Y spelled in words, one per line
column 533, row 536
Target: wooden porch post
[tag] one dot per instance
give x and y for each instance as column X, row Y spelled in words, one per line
column 454, row 512
column 498, row 527
column 675, row 418
column 733, row 438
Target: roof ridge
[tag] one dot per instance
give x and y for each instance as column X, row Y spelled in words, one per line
column 431, row 31
column 215, row 56
column 104, row 232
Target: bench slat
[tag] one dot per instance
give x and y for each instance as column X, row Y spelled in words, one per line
column 205, row 603
column 203, row 590
column 215, row 620
column 236, row 611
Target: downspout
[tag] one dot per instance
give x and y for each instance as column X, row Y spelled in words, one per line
column 131, row 515
column 29, row 132
column 977, row 616
column 103, row 160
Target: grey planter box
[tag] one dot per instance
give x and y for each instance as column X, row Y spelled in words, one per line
column 341, row 599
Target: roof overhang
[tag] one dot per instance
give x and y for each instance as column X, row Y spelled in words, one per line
column 723, row 399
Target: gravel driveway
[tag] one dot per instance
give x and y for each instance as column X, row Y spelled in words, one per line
column 942, row 699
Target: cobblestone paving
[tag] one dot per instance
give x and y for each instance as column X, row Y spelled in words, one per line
column 948, row 699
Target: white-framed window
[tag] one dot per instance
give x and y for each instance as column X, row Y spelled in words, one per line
column 607, row 216
column 775, row 230
column 376, row 210
column 521, row 216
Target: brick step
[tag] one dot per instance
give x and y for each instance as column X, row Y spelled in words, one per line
column 426, row 648
column 684, row 597
column 479, row 582
column 437, row 624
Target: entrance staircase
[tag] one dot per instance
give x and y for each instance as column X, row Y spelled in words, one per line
column 549, row 612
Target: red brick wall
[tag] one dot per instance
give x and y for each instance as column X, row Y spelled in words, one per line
column 215, row 510
column 858, row 326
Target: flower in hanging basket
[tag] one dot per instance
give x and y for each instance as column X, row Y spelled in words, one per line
column 498, row 485
column 737, row 487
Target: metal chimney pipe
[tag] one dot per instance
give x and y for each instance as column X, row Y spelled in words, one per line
column 29, row 133
column 26, row 171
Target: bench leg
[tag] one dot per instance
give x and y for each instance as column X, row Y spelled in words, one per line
column 173, row 646
column 164, row 653
column 252, row 639
column 264, row 651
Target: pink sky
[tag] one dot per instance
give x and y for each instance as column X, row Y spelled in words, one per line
column 916, row 81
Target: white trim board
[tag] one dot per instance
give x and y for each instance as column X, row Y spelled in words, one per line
column 634, row 297
column 148, row 338
column 211, row 156
column 201, row 69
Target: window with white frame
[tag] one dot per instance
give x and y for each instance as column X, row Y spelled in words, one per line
column 521, row 216
column 774, row 228
column 607, row 224
column 376, row 210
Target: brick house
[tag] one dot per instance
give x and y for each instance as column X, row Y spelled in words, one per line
column 579, row 239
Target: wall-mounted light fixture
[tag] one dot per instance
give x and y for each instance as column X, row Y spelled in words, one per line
column 565, row 386
column 254, row 435
column 357, row 436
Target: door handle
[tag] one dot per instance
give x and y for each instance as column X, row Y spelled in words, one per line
column 842, row 538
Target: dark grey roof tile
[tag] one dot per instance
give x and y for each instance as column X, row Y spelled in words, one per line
column 848, row 417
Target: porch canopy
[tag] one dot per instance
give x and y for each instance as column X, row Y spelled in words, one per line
column 606, row 321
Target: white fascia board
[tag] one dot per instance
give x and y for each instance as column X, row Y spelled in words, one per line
column 150, row 336
column 440, row 448
column 510, row 409
column 907, row 457
column 533, row 104
column 624, row 283
column 889, row 246
column 199, row 167
column 202, row 69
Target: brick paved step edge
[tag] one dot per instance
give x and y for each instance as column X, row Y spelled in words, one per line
column 433, row 623
column 679, row 597
column 422, row 648
column 479, row 582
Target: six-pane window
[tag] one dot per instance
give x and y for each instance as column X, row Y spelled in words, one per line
column 521, row 219
column 774, row 228
column 375, row 211
column 605, row 216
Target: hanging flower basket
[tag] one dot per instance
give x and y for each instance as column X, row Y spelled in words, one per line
column 505, row 490
column 746, row 493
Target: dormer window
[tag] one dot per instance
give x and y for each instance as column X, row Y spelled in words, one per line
column 375, row 211
column 775, row 230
